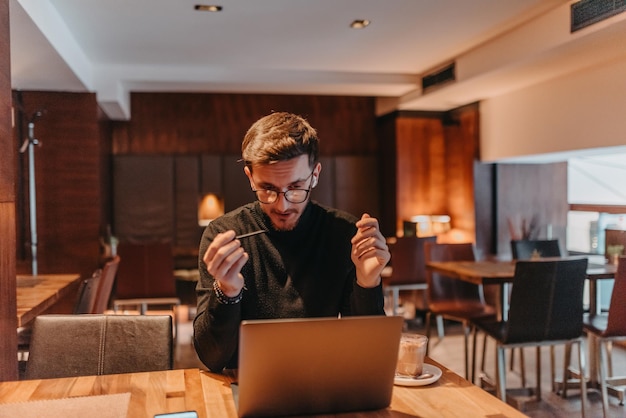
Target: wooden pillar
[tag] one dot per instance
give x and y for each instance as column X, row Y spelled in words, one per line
column 8, row 314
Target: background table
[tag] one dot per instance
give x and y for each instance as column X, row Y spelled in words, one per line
column 501, row 273
column 38, row 294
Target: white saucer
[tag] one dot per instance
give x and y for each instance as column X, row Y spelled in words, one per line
column 409, row 381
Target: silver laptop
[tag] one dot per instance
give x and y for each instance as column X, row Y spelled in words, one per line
column 314, row 366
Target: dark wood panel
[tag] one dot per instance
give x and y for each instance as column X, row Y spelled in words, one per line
column 386, row 132
column 355, row 179
column 211, row 175
column 188, row 123
column 8, row 312
column 236, row 186
column 324, row 192
column 187, row 232
column 69, row 181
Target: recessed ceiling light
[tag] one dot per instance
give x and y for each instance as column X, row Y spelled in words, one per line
column 359, row 24
column 208, row 7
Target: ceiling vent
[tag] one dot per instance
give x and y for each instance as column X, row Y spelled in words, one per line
column 440, row 77
column 588, row 12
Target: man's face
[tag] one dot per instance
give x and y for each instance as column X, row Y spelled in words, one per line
column 281, row 177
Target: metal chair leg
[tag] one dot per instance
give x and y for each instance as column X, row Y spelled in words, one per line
column 440, row 328
column 538, row 371
column 601, row 355
column 500, row 373
column 583, row 381
column 466, row 332
column 609, row 358
column 428, row 318
column 522, row 364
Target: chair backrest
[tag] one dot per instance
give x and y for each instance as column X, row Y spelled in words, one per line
column 616, row 325
column 444, row 288
column 526, row 249
column 546, row 300
column 408, row 261
column 147, row 270
column 87, row 293
column 105, row 287
column 81, row 345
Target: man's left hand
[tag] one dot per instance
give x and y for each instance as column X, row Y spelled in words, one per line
column 370, row 253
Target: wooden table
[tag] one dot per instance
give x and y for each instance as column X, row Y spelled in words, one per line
column 502, row 272
column 37, row 294
column 211, row 396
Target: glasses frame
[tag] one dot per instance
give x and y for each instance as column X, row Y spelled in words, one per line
column 276, row 193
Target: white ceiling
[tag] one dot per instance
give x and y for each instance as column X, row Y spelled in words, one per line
column 114, row 47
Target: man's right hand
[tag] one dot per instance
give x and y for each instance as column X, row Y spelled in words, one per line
column 224, row 260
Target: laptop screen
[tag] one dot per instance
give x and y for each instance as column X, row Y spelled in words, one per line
column 316, row 365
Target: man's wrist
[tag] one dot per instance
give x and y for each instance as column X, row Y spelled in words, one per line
column 225, row 299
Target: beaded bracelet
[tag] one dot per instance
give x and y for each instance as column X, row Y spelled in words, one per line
column 226, row 300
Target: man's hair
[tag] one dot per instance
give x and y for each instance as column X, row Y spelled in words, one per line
column 278, row 137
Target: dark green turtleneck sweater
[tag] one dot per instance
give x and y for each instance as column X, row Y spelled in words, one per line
column 306, row 272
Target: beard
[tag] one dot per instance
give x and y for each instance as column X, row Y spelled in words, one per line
column 285, row 221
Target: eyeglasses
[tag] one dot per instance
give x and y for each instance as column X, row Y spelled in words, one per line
column 268, row 196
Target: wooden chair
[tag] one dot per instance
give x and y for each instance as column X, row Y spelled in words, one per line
column 408, row 268
column 87, row 293
column 105, row 287
column 455, row 299
column 80, row 345
column 605, row 328
column 546, row 309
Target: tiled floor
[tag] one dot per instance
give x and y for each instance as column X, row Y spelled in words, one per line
column 449, row 352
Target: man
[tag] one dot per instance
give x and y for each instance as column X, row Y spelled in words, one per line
column 310, row 261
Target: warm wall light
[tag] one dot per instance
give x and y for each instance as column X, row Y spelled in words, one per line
column 211, row 207
column 427, row 225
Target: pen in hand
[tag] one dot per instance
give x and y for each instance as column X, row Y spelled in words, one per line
column 249, row 234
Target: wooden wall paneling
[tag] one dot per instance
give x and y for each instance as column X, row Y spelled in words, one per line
column 421, row 168
column 236, row 186
column 143, row 201
column 386, row 132
column 211, row 178
column 356, row 185
column 461, row 145
column 190, row 123
column 187, row 192
column 69, row 178
column 531, row 192
column 8, row 312
column 324, row 192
